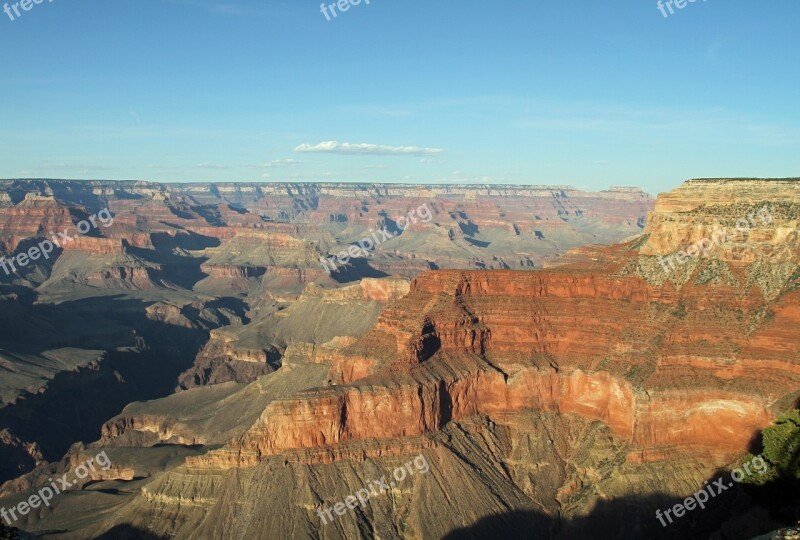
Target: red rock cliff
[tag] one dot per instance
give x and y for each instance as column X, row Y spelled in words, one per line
column 605, row 348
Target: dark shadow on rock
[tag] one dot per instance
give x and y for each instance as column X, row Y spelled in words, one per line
column 181, row 210
column 445, row 405
column 79, row 214
column 389, row 224
column 129, row 532
column 211, row 213
column 730, row 517
column 469, row 228
column 183, row 271
column 40, row 270
column 356, row 270
column 235, row 305
column 430, row 344
column 8, row 533
column 477, row 243
column 239, row 209
column 142, row 361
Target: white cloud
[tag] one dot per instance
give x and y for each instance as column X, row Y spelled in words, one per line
column 335, row 147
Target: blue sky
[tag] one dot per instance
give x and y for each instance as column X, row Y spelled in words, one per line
column 586, row 93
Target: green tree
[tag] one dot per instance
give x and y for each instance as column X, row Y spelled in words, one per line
column 781, row 443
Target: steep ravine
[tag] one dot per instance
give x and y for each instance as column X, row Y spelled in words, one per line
column 74, row 405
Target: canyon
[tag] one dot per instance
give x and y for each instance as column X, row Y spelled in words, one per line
column 527, row 342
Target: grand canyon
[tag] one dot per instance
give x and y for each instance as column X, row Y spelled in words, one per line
column 380, row 270
column 529, row 344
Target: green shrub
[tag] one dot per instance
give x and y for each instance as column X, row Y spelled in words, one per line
column 781, row 450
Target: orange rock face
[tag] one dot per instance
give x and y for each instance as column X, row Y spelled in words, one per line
column 33, row 216
column 383, row 290
column 613, row 349
column 95, row 246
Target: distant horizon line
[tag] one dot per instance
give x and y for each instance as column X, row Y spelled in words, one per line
column 388, row 184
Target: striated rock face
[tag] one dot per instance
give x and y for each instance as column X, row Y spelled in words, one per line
column 34, row 216
column 537, row 357
column 225, row 342
column 573, row 401
column 148, row 430
column 95, row 246
column 233, row 354
column 277, row 234
column 221, row 271
column 384, row 290
column 379, row 290
column 120, row 277
column 694, row 194
column 324, row 353
column 286, row 262
column 495, row 343
column 283, row 278
column 747, row 218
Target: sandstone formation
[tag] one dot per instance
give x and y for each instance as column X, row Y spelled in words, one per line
column 326, row 317
column 278, row 232
column 569, row 402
